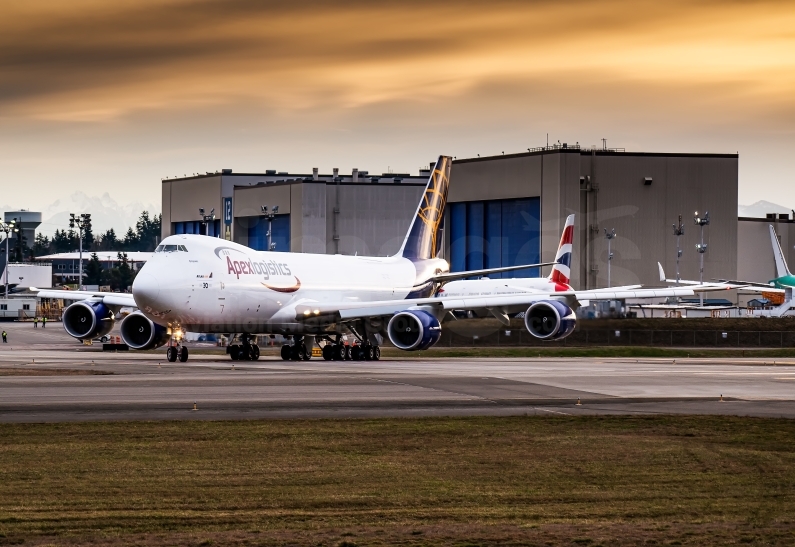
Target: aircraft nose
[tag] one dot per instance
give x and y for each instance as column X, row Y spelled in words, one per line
column 146, row 289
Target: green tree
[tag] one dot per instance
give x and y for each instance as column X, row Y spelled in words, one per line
column 20, row 249
column 94, row 274
column 108, row 241
column 130, row 241
column 88, row 238
column 122, row 276
column 147, row 231
column 41, row 246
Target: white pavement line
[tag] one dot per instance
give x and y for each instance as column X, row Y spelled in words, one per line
column 552, row 411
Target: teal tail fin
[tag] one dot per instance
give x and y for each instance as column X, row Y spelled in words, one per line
column 778, row 254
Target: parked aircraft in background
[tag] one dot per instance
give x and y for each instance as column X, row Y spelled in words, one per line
column 204, row 284
column 782, row 285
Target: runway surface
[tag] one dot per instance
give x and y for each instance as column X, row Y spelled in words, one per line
column 46, row 376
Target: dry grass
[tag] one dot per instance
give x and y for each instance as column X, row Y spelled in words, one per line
column 466, row 481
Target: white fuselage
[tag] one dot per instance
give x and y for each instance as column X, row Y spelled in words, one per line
column 206, row 284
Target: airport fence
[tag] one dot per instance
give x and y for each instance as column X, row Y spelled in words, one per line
column 607, row 337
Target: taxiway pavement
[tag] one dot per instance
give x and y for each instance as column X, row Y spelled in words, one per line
column 46, row 377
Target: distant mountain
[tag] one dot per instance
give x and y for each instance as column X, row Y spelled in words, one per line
column 105, row 213
column 761, row 208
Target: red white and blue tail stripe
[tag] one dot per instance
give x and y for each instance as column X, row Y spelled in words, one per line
column 561, row 272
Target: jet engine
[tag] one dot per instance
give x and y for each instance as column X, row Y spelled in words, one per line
column 85, row 320
column 139, row 332
column 549, row 320
column 413, row 330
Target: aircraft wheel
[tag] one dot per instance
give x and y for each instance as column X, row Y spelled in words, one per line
column 234, row 352
column 368, row 352
column 171, row 354
column 376, row 353
column 328, row 352
column 255, row 352
column 347, row 352
column 356, row 353
column 286, row 352
column 339, row 352
column 183, row 354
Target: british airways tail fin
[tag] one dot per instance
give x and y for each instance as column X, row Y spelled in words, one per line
column 424, row 238
column 561, row 271
column 781, row 264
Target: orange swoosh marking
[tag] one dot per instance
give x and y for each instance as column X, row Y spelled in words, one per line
column 289, row 289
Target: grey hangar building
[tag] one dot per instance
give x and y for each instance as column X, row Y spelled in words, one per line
column 502, row 210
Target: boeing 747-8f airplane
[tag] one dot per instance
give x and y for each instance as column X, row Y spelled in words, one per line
column 204, row 284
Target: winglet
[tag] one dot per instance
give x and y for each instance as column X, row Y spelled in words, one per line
column 662, row 272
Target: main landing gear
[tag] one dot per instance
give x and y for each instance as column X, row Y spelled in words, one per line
column 337, row 351
column 297, row 352
column 177, row 352
column 245, row 351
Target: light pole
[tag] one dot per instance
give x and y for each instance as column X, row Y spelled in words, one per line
column 206, row 219
column 701, row 248
column 7, row 228
column 270, row 215
column 609, row 236
column 678, row 232
column 83, row 222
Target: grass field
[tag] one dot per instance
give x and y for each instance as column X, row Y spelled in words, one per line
column 438, row 481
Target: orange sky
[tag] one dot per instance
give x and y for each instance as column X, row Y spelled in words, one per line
column 112, row 96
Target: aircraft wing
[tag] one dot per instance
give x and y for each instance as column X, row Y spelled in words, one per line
column 753, row 286
column 109, row 298
column 452, row 276
column 346, row 311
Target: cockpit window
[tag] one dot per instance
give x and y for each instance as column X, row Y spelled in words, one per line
column 170, row 248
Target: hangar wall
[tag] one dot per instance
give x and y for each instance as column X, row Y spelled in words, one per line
column 638, row 194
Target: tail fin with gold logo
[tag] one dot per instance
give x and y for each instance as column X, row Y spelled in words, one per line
column 424, row 238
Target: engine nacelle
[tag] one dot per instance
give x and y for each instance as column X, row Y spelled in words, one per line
column 139, row 332
column 413, row 330
column 550, row 320
column 86, row 320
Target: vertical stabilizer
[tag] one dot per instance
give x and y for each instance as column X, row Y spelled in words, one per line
column 424, row 238
column 781, row 264
column 561, row 272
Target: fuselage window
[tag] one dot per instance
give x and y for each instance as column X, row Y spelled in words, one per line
column 170, row 248
column 182, row 248
column 159, row 248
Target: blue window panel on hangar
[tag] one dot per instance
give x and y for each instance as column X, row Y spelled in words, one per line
column 475, row 232
column 458, row 250
column 258, row 234
column 490, row 234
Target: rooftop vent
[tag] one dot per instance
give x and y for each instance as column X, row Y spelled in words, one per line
column 283, row 172
column 270, row 171
column 647, row 181
column 226, row 171
column 315, row 173
column 770, row 216
column 783, row 216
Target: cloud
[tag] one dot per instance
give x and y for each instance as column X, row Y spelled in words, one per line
column 101, row 60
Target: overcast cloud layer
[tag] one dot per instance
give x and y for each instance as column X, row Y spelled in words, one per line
column 112, row 96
